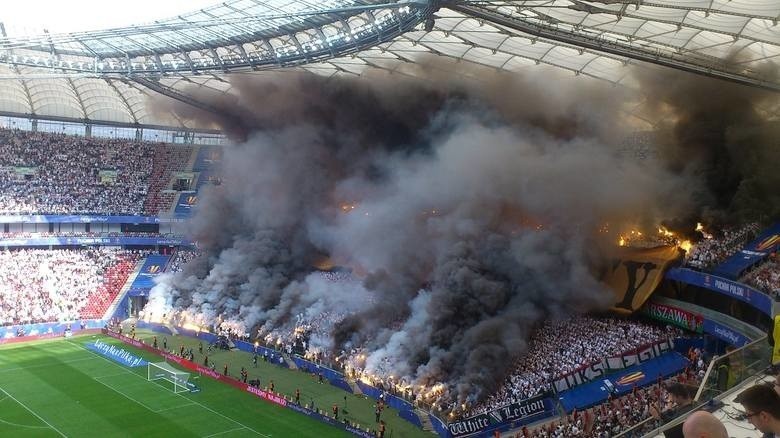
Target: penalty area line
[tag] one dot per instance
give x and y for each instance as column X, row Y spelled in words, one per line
column 33, row 412
column 224, row 432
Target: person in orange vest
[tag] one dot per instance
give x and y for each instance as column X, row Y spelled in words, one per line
column 335, row 411
column 382, row 429
column 496, row 434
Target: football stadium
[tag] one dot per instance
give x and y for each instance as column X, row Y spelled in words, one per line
column 390, row 218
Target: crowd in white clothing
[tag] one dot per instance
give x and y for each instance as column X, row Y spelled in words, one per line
column 559, row 347
column 44, row 173
column 181, row 258
column 39, row 285
column 710, row 251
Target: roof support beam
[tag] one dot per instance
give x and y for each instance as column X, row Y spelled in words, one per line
column 174, row 94
column 21, row 77
column 719, row 71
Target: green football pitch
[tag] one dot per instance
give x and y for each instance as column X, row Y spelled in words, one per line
column 60, row 388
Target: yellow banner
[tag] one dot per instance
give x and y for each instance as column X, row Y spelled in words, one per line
column 635, row 273
column 776, row 348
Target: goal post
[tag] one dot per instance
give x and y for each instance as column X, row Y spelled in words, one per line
column 164, row 371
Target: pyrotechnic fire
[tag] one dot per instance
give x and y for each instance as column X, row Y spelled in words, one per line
column 191, row 326
column 347, row 207
column 700, row 228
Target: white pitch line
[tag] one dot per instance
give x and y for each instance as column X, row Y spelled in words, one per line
column 125, row 395
column 193, row 401
column 23, row 425
column 175, row 407
column 33, row 412
column 224, row 432
column 111, row 375
column 55, row 364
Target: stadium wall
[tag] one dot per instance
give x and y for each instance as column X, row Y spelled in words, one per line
column 732, row 289
column 94, row 241
column 32, row 332
column 725, row 328
column 83, row 219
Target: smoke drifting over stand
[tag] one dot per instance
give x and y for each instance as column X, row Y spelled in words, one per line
column 468, row 211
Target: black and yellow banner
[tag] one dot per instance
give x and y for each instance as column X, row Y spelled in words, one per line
column 635, row 273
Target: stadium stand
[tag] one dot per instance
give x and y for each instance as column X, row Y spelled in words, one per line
column 44, row 173
column 181, row 258
column 560, row 347
column 60, row 284
column 618, row 414
column 711, row 251
column 766, row 278
column 556, row 349
column 167, row 160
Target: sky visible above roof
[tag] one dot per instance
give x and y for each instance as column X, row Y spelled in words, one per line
column 31, row 17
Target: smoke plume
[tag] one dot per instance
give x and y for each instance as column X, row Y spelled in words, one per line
column 468, row 211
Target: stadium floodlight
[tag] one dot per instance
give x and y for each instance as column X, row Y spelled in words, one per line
column 164, row 371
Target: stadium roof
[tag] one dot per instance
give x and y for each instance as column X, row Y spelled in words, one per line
column 106, row 75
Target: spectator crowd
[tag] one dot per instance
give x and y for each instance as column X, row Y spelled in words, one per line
column 766, row 277
column 181, row 258
column 560, row 347
column 44, row 173
column 38, row 285
column 713, row 250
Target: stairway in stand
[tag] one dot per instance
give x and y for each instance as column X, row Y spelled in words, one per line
column 425, row 420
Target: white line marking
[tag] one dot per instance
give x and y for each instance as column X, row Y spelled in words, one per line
column 23, row 425
column 33, row 412
column 175, row 407
column 111, row 375
column 224, row 432
column 131, row 398
column 55, row 364
column 125, row 395
column 193, row 401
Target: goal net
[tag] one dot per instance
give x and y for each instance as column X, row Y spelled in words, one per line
column 163, row 371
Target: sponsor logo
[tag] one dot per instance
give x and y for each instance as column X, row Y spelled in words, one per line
column 117, row 354
column 629, row 379
column 768, row 243
column 267, row 395
column 153, row 269
column 727, row 335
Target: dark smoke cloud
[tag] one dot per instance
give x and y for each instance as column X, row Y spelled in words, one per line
column 476, row 206
column 722, row 137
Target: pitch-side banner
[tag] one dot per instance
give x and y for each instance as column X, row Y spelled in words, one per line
column 733, row 289
column 84, row 219
column 514, row 412
column 597, row 370
column 95, row 241
column 674, row 315
column 635, row 273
